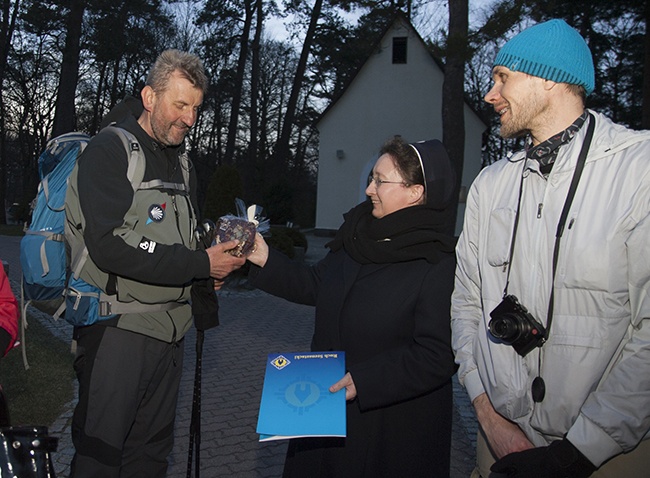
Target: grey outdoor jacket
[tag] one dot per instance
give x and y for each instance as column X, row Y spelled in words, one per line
column 596, row 363
column 143, row 239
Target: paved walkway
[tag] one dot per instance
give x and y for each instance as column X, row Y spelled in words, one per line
column 253, row 324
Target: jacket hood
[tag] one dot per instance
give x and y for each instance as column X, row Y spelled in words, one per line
column 610, row 137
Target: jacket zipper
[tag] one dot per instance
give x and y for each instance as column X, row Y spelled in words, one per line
column 175, row 345
column 176, row 215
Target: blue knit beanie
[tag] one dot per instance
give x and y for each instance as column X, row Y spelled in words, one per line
column 551, row 50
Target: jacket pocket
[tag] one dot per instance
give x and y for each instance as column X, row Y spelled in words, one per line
column 576, row 356
column 499, row 236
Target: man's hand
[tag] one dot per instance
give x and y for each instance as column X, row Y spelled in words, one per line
column 558, row 460
column 504, row 436
column 222, row 263
column 348, row 383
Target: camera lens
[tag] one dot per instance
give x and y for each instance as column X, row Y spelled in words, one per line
column 506, row 328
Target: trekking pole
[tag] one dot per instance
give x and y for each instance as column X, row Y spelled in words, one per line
column 205, row 308
column 195, row 423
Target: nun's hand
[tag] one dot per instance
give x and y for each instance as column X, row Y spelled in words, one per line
column 348, row 383
column 260, row 253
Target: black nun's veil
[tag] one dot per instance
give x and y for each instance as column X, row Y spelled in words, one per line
column 416, row 232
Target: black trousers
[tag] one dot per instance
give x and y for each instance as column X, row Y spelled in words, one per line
column 128, row 388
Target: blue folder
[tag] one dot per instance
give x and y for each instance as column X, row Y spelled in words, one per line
column 296, row 401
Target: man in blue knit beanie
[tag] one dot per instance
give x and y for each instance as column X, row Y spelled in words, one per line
column 551, row 306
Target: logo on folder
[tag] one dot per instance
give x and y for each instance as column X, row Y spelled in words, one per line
column 280, row 362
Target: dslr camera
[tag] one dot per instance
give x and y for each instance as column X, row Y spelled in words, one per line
column 513, row 325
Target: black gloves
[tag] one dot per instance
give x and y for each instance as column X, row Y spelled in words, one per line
column 558, row 460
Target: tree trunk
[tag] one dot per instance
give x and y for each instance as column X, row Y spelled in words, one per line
column 101, row 81
column 453, row 91
column 6, row 32
column 250, row 178
column 282, row 149
column 64, row 116
column 239, row 82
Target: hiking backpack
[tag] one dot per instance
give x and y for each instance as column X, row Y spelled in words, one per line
column 44, row 254
column 42, row 248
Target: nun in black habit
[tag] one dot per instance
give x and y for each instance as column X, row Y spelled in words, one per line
column 382, row 295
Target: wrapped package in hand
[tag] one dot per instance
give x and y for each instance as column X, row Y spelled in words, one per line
column 241, row 227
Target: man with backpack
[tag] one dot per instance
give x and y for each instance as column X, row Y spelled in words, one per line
column 142, row 253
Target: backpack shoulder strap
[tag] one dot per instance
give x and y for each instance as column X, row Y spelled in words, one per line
column 137, row 161
column 55, row 146
column 185, row 167
column 134, row 173
column 137, row 164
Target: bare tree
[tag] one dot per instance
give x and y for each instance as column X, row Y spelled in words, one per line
column 255, row 82
column 9, row 14
column 64, row 115
column 453, row 98
column 138, row 31
column 249, row 11
column 282, row 149
column 31, row 76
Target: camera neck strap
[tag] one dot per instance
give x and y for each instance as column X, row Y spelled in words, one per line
column 582, row 158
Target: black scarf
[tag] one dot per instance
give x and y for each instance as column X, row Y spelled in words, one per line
column 407, row 234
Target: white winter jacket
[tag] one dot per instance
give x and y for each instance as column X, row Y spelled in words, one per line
column 596, row 363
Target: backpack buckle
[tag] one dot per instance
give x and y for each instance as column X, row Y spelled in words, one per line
column 104, row 308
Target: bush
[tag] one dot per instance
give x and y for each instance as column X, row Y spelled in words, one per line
column 285, row 239
column 281, row 241
column 225, row 186
column 278, row 201
column 298, row 238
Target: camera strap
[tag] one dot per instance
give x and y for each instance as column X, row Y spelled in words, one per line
column 538, row 387
column 582, row 158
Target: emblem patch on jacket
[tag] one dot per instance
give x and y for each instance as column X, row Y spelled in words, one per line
column 156, row 213
column 147, row 245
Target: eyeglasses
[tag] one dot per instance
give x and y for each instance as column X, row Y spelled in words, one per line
column 379, row 182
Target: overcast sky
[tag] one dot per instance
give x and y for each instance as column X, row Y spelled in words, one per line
column 432, row 19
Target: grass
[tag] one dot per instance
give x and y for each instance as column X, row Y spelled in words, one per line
column 37, row 396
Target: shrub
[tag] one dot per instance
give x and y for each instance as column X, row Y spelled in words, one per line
column 285, row 239
column 225, row 186
column 298, row 238
column 281, row 241
column 278, row 201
